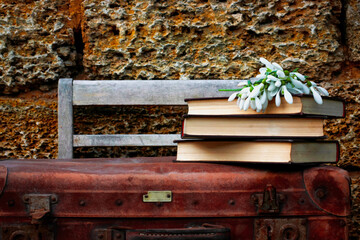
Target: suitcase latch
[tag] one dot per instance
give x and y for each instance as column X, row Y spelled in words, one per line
column 39, row 205
column 281, row 229
column 268, row 202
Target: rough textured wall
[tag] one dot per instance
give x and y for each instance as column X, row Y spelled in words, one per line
column 28, row 127
column 352, row 19
column 36, row 44
column 42, row 40
column 209, row 39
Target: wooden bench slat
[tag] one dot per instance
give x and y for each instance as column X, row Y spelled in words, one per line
column 65, row 118
column 126, row 92
column 125, row 140
column 146, row 92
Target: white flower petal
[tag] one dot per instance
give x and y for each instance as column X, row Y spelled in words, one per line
column 256, row 91
column 271, row 77
column 233, row 96
column 245, row 90
column 267, row 63
column 277, row 66
column 313, row 83
column 297, row 83
column 298, row 75
column 322, row 91
column 287, row 95
column 263, row 70
column 260, row 76
column 253, row 104
column 295, row 90
column 263, row 97
column 306, row 89
column 269, row 96
column 278, row 83
column 241, row 103
column 246, row 104
column 277, row 99
column 265, row 104
column 271, row 87
column 274, row 92
column 258, row 104
column 280, row 74
column 242, row 83
column 316, row 95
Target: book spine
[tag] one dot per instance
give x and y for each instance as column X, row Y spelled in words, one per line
column 182, row 129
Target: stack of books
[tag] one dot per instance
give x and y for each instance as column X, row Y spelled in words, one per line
column 215, row 130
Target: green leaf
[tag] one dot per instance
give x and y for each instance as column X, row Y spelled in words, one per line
column 295, row 70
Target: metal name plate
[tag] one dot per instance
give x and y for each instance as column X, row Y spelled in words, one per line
column 158, row 196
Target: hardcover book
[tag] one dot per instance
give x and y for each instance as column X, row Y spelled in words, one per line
column 302, row 105
column 245, row 126
column 258, row 151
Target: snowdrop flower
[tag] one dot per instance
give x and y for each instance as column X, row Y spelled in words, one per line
column 252, row 104
column 271, row 87
column 296, row 83
column 317, row 91
column 316, row 95
column 256, row 91
column 294, row 90
column 274, row 81
column 233, row 96
column 245, row 92
column 242, row 83
column 263, row 70
column 267, row 64
column 258, row 104
column 264, row 100
column 306, row 89
column 298, row 75
column 277, row 66
column 241, row 103
column 277, row 99
column 320, row 89
column 281, row 74
column 246, row 104
column 287, row 95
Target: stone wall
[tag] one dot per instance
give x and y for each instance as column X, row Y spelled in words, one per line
column 43, row 40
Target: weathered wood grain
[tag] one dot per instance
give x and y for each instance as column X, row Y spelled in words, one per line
column 127, row 92
column 146, row 92
column 125, row 140
column 65, row 118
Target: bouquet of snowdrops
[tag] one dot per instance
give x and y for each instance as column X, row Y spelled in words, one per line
column 274, row 81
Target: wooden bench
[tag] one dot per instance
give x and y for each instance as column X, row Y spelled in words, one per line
column 125, row 92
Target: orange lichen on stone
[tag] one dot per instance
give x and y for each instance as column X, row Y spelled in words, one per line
column 28, row 128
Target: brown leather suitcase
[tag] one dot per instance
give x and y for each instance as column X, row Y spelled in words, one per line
column 156, row 198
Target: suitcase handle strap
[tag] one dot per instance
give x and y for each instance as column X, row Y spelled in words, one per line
column 203, row 232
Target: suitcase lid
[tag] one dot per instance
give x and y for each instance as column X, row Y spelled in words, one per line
column 120, row 188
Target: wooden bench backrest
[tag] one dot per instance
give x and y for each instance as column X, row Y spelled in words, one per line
column 125, row 92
